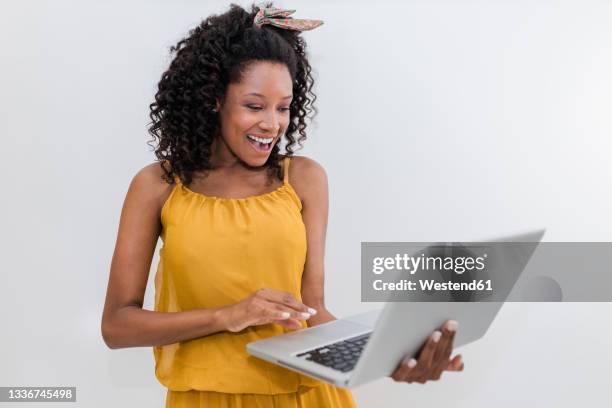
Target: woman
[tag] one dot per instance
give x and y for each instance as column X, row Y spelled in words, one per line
column 243, row 226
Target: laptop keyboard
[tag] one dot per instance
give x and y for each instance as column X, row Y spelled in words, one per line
column 341, row 356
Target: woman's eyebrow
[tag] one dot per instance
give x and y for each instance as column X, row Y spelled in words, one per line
column 260, row 95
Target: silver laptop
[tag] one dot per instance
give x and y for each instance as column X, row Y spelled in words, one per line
column 355, row 350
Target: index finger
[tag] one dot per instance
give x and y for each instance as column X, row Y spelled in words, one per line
column 287, row 299
column 427, row 353
column 445, row 347
column 446, row 342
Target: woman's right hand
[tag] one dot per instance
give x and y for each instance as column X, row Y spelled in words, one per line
column 262, row 307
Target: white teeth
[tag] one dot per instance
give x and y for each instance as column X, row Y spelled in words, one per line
column 259, row 139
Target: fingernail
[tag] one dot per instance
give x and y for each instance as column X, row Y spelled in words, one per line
column 452, row 325
column 305, row 315
column 436, row 336
column 312, row 311
column 411, row 363
column 285, row 315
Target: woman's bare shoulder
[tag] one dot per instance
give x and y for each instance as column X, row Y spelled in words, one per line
column 149, row 186
column 305, row 167
column 306, row 176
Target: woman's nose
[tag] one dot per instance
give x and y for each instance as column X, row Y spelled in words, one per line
column 270, row 123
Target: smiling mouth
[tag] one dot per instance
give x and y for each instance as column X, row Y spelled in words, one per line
column 261, row 144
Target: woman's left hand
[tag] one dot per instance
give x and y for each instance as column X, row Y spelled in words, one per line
column 434, row 358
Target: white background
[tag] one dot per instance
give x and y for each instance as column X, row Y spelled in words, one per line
column 439, row 121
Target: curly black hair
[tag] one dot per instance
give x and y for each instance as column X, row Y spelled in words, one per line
column 215, row 54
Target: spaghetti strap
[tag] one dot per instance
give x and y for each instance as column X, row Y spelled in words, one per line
column 286, row 170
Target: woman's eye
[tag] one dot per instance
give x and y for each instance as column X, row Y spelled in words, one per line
column 258, row 108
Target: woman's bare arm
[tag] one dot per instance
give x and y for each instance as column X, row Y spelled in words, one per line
column 124, row 322
column 310, row 182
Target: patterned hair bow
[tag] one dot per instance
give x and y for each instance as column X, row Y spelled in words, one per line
column 280, row 18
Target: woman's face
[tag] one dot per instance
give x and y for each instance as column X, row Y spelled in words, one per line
column 255, row 112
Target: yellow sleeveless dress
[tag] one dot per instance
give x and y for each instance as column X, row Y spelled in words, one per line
column 217, row 251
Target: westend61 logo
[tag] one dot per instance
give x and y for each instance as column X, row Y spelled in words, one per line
column 413, row 264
